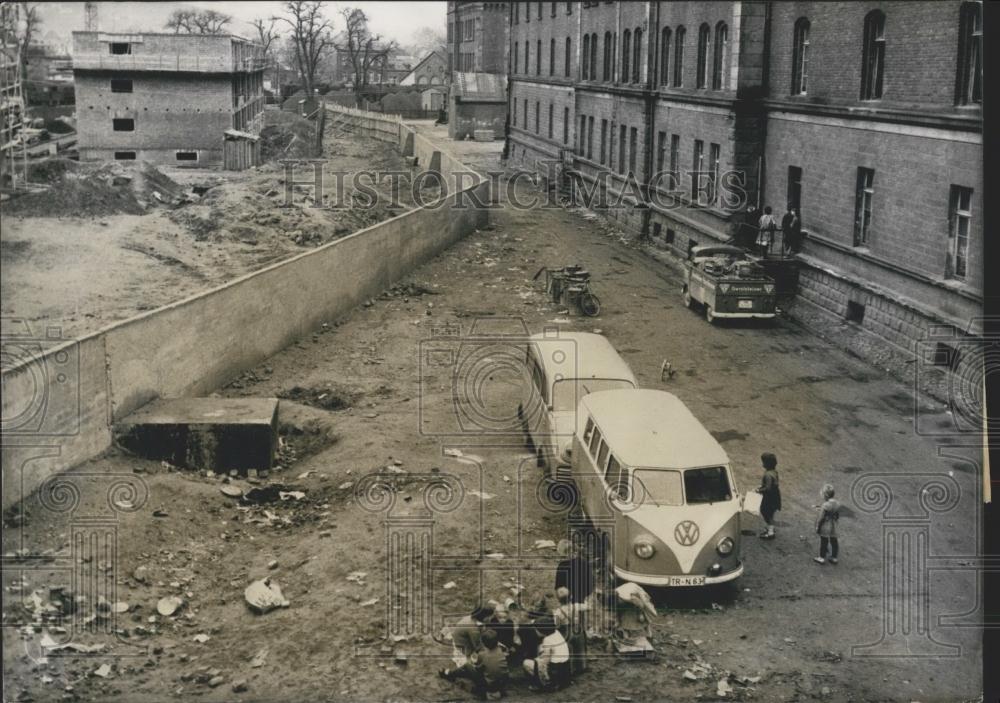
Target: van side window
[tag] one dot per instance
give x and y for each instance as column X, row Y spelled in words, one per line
column 588, row 429
column 602, row 455
column 594, row 441
column 617, row 479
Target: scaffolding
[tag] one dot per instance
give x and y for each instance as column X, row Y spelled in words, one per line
column 13, row 147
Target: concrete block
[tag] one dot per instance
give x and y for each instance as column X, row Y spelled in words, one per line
column 218, row 434
column 484, row 135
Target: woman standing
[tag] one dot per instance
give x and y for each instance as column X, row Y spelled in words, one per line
column 826, row 526
column 770, row 501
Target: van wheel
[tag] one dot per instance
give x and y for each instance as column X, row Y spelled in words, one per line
column 709, row 315
column 686, row 294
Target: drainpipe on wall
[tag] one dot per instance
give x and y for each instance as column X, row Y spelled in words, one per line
column 649, row 95
column 765, row 90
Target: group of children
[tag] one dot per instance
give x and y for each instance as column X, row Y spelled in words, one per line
column 826, row 521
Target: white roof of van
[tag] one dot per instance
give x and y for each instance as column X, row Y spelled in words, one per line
column 652, row 428
column 584, row 355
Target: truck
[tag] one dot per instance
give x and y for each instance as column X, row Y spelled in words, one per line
column 727, row 284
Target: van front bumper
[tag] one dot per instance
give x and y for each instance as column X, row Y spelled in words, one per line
column 653, row 580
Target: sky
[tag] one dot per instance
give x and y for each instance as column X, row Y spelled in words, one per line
column 394, row 20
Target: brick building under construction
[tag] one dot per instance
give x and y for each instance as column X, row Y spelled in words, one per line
column 181, row 99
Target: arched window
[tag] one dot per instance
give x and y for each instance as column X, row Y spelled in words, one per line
column 800, row 57
column 609, row 55
column 665, row 56
column 679, row 57
column 637, row 56
column 568, row 58
column 585, row 64
column 626, row 50
column 552, row 57
column 969, row 86
column 593, row 56
column 719, row 57
column 538, row 54
column 701, row 79
column 873, row 56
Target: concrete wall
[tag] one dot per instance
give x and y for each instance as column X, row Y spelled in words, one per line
column 61, row 398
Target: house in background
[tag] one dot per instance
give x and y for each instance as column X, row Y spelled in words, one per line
column 180, row 99
column 433, row 99
column 478, row 36
column 431, row 70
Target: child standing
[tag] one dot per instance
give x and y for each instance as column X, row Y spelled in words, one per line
column 770, row 501
column 826, row 526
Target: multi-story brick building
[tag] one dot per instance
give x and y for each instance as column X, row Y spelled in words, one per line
column 866, row 116
column 477, row 37
column 183, row 99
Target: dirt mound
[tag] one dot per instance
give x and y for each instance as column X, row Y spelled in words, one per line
column 95, row 190
column 287, row 136
column 328, row 398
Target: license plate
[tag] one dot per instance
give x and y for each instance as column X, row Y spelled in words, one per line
column 687, row 581
column 746, row 305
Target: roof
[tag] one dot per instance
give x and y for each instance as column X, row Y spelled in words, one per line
column 583, row 355
column 479, row 87
column 652, row 428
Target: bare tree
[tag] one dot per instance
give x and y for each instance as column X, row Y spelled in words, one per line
column 266, row 33
column 311, row 38
column 30, row 23
column 366, row 51
column 190, row 21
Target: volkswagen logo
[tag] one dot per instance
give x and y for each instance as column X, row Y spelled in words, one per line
column 686, row 533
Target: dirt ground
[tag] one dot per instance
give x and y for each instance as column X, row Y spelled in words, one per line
column 84, row 254
column 359, row 399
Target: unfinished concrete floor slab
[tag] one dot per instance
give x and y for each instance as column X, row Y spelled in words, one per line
column 217, row 434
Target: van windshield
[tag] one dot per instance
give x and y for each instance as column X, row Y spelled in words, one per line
column 568, row 392
column 709, row 485
column 657, row 486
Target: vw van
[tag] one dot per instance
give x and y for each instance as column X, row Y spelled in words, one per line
column 565, row 367
column 659, row 487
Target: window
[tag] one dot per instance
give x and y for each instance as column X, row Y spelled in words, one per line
column 701, row 79
column 665, row 56
column 517, row 56
column 590, row 137
column 565, row 125
column 538, row 109
column 800, row 57
column 124, row 156
column 855, row 311
column 538, row 57
column 617, row 479
column 602, row 455
column 552, row 57
column 517, row 15
column 186, row 156
column 626, row 50
column 604, row 141
column 863, row 206
column 527, row 58
column 609, row 55
column 719, row 57
column 670, row 236
column 513, row 112
column 706, row 486
column 633, row 139
column 550, row 120
column 661, row 150
column 527, row 11
column 637, row 56
column 123, row 124
column 697, row 163
column 713, row 173
column 539, row 10
column 873, row 59
column 120, row 48
column 553, row 14
column 657, row 486
column 675, row 162
column 969, row 89
column 679, row 57
column 593, row 57
column 525, row 113
column 121, row 85
column 568, row 57
column 569, row 8
column 588, row 430
column 586, row 57
column 795, row 190
column 582, row 149
column 621, row 149
column 958, row 232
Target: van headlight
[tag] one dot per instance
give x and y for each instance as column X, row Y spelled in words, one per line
column 725, row 546
column 566, row 458
column 644, row 549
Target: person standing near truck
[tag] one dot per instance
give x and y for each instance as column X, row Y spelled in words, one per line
column 770, row 492
column 766, row 229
